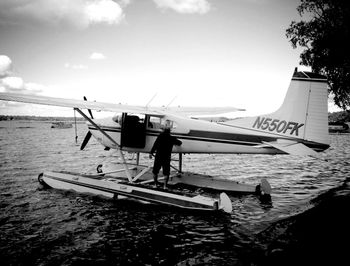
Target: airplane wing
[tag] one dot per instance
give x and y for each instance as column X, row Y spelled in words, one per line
column 111, row 107
column 62, row 102
column 200, row 111
column 290, row 147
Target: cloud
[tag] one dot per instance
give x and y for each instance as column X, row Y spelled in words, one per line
column 75, row 66
column 93, row 56
column 184, row 6
column 97, row 56
column 13, row 83
column 34, row 88
column 10, row 83
column 78, row 13
column 124, row 3
column 17, row 85
column 104, row 11
column 5, row 66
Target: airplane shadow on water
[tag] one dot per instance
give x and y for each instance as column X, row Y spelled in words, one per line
column 318, row 236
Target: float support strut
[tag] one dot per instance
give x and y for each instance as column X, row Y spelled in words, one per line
column 127, row 171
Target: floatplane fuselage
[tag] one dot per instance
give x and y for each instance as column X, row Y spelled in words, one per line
column 200, row 136
column 299, row 126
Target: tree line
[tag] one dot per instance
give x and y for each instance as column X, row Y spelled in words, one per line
column 324, row 35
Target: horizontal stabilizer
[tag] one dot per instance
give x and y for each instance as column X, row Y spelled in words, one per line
column 293, row 148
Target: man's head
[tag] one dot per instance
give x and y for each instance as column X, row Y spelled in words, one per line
column 167, row 130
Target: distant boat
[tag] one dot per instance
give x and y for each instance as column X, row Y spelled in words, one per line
column 338, row 127
column 61, row 125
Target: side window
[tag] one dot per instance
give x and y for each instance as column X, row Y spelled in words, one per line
column 161, row 123
column 154, row 122
column 166, row 123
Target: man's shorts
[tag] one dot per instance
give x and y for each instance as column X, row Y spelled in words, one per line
column 165, row 164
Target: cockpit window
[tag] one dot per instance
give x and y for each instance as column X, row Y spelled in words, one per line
column 161, row 123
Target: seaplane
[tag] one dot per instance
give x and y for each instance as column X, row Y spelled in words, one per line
column 298, row 127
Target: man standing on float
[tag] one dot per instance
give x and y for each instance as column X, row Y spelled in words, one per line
column 163, row 147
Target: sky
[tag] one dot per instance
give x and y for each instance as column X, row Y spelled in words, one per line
column 179, row 52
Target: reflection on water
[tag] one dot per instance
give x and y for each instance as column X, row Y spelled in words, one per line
column 54, row 227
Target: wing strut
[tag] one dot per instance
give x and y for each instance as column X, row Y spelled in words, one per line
column 127, row 171
column 75, row 127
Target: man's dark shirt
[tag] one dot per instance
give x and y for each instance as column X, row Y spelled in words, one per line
column 164, row 145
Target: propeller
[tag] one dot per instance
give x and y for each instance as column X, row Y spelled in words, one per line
column 88, row 135
column 86, row 140
column 89, row 109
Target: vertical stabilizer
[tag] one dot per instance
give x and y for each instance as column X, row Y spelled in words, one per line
column 303, row 114
column 306, row 103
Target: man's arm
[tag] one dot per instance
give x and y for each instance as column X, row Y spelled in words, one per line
column 177, row 142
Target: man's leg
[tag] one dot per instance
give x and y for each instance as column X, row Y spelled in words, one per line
column 155, row 178
column 156, row 168
column 166, row 172
column 166, row 179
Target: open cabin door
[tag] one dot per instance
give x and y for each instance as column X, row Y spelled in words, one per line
column 133, row 131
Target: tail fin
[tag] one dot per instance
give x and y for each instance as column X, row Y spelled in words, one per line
column 303, row 114
column 306, row 103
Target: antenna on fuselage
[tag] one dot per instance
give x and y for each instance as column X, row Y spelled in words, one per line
column 166, row 107
column 149, row 102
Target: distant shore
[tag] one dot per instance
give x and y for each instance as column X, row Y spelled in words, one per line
column 335, row 117
column 40, row 118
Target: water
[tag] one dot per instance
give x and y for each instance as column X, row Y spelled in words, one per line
column 50, row 227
